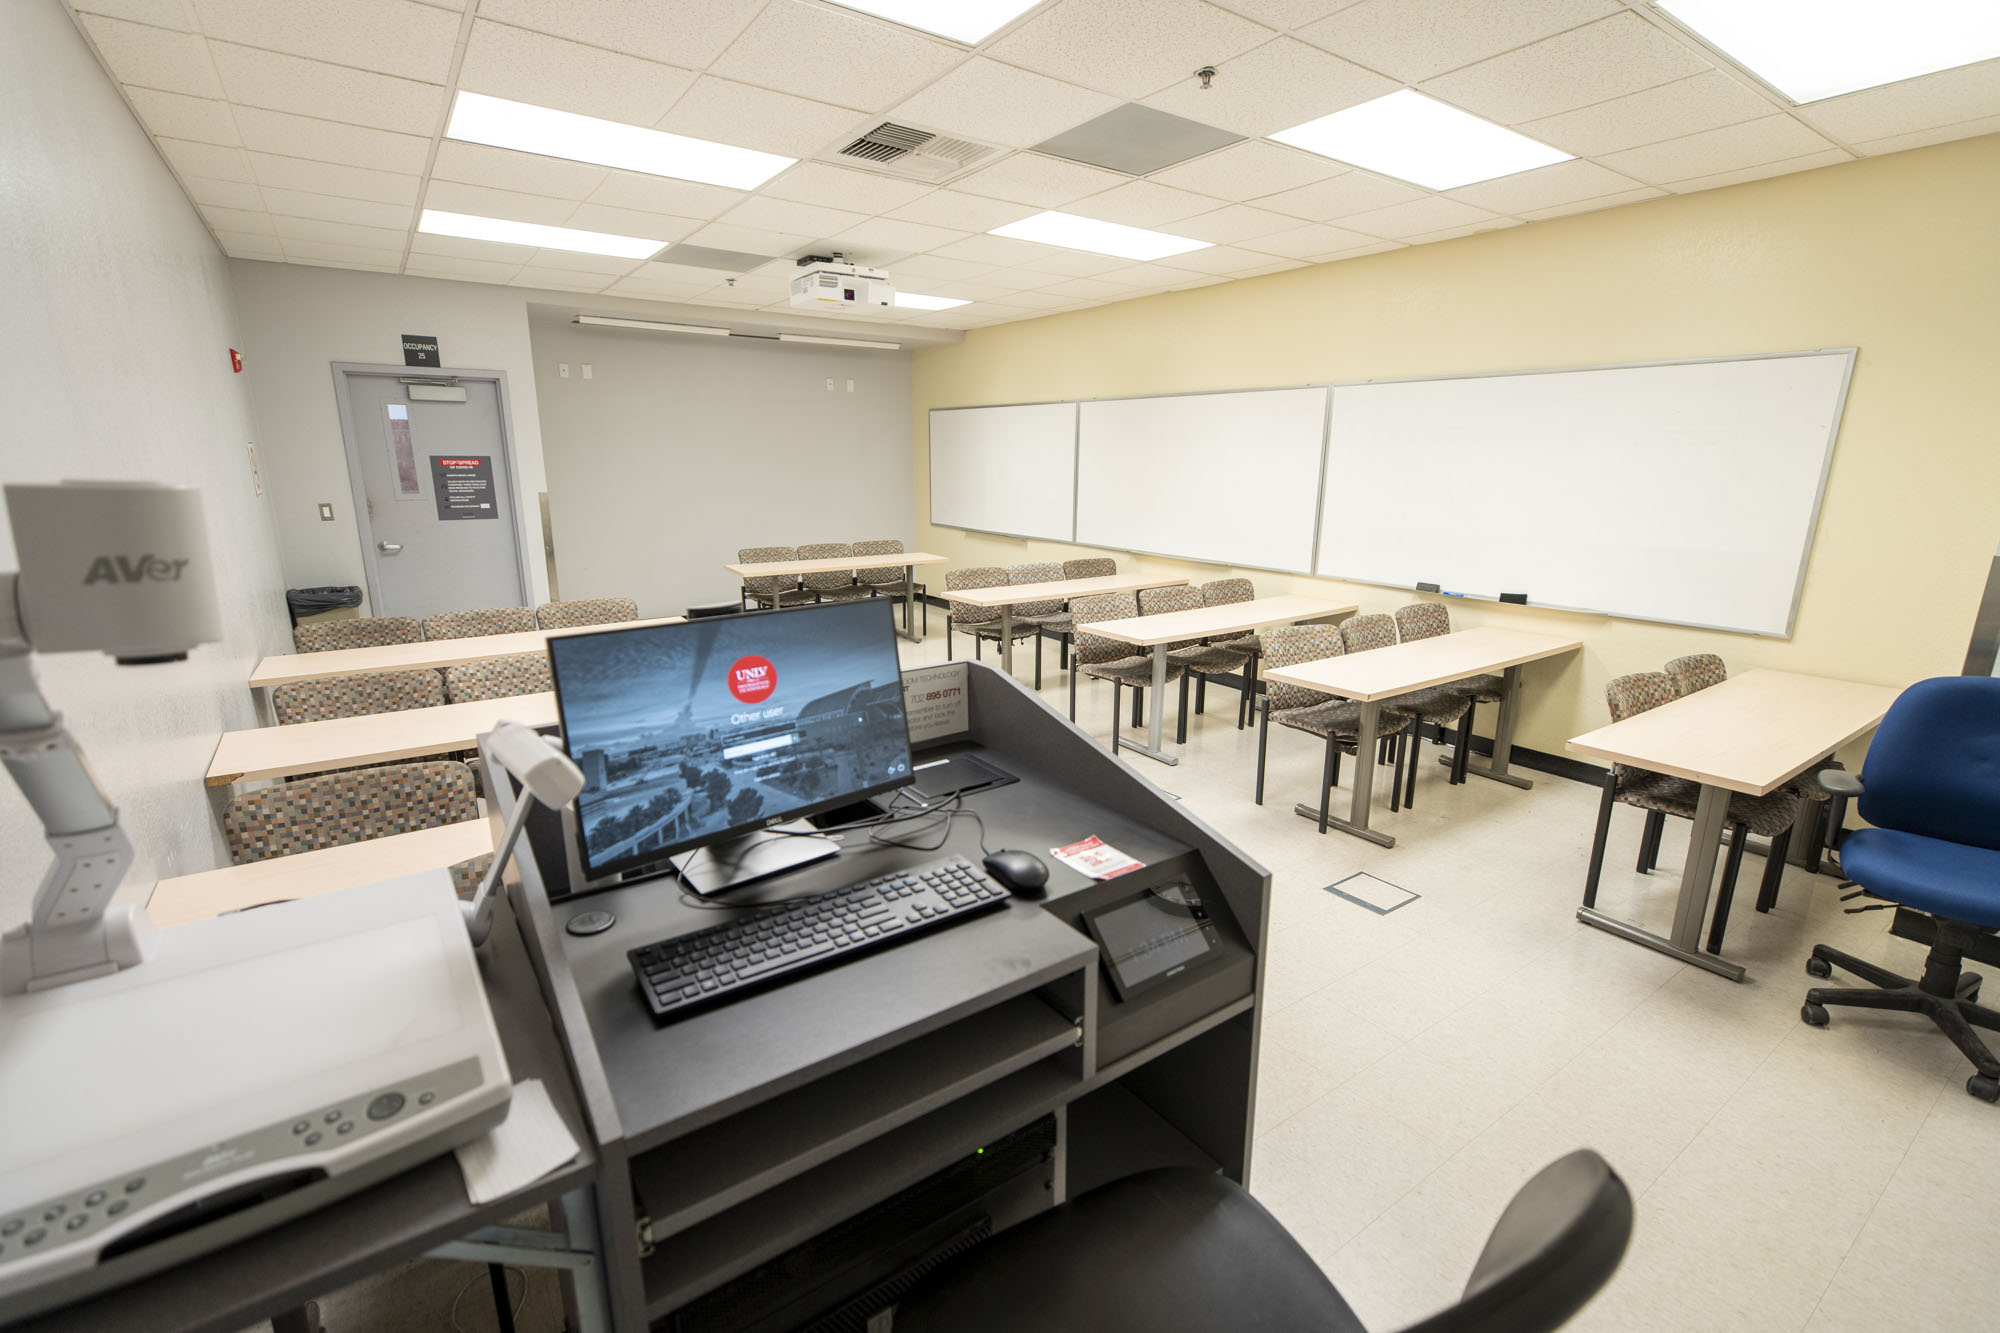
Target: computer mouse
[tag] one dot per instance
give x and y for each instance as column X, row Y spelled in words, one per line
column 1023, row 873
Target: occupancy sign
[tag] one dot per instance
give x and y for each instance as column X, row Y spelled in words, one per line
column 463, row 486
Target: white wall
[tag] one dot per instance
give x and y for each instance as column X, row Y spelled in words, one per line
column 115, row 329
column 678, row 450
column 298, row 321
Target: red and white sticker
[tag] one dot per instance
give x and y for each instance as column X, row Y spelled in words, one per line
column 751, row 679
column 1095, row 858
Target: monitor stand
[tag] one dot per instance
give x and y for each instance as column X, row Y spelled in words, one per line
column 733, row 861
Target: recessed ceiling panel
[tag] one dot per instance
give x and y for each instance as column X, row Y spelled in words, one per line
column 1137, row 140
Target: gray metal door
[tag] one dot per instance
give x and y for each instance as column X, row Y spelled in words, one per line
column 433, row 492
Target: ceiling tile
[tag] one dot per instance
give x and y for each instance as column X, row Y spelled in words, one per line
column 299, row 204
column 207, row 159
column 1089, row 289
column 1248, row 170
column 145, row 57
column 1030, row 178
column 783, row 215
column 1610, row 58
column 1001, row 250
column 330, row 141
column 397, row 37
column 1227, row 260
column 547, row 71
column 326, row 92
column 831, row 56
column 933, row 269
column 293, row 173
column 723, row 111
column 504, row 169
column 1965, row 129
column 999, row 104
column 1464, row 229
column 1944, row 98
column 896, row 234
column 1414, row 40
column 159, row 13
column 1274, row 87
column 1286, row 14
column 342, row 256
column 1308, row 242
column 1237, row 222
column 1593, row 205
column 461, row 270
column 559, row 280
column 1033, row 301
column 486, row 202
column 961, row 212
column 223, row 194
column 459, row 247
column 862, row 192
column 1686, row 106
column 1771, row 139
column 1141, row 203
column 688, row 35
column 631, row 222
column 1055, row 259
column 242, row 245
column 1286, row 265
column 1762, row 171
column 648, row 285
column 1373, row 248
column 1560, row 183
column 249, row 221
column 657, row 194
column 1351, row 192
column 339, row 233
column 1414, row 218
column 178, row 116
column 1129, row 48
column 606, row 266
column 750, row 240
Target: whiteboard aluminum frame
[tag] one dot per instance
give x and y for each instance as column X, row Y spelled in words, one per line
column 930, row 468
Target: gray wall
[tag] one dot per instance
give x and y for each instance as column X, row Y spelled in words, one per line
column 115, row 329
column 680, row 448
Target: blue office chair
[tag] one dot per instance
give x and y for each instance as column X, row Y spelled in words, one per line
column 1931, row 788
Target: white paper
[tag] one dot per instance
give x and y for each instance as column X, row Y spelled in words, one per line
column 531, row 1142
column 1095, row 858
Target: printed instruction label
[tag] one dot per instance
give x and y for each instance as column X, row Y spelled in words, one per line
column 936, row 702
column 1095, row 858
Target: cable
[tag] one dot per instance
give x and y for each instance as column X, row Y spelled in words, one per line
column 479, row 1277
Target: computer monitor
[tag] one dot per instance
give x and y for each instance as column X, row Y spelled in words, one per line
column 703, row 734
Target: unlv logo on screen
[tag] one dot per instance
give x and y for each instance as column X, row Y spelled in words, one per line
column 751, row 679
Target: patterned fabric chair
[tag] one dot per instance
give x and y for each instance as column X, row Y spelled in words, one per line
column 1336, row 720
column 1228, row 592
column 1696, row 671
column 477, row 624
column 1427, row 620
column 1108, row 659
column 1440, row 706
column 889, row 582
column 498, row 677
column 770, row 590
column 1050, row 616
column 338, row 808
column 353, row 696
column 1659, row 795
column 586, row 611
column 835, row 585
column 981, row 622
column 325, row 636
column 1090, row 567
column 1196, row 657
column 466, row 874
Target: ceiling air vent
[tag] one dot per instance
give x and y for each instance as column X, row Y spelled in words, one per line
column 913, row 153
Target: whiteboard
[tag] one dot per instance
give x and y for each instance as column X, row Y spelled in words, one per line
column 1682, row 492
column 1010, row 470
column 1230, row 478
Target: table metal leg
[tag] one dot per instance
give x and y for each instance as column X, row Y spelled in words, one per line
column 1154, row 748
column 909, row 630
column 1697, row 879
column 571, row 1251
column 1503, row 735
column 1007, row 638
column 1364, row 782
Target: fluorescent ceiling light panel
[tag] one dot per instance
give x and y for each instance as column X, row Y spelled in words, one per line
column 1809, row 49
column 913, row 301
column 1099, row 238
column 836, row 342
column 525, row 128
column 473, row 228
column 655, row 325
column 1421, row 140
column 968, row 21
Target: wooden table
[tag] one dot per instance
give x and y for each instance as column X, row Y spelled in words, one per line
column 208, row 893
column 1009, row 595
column 1752, row 734
column 376, row 738
column 906, row 560
column 1383, row 673
column 1156, row 632
column 285, row 668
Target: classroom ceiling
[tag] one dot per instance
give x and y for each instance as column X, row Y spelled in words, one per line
column 310, row 131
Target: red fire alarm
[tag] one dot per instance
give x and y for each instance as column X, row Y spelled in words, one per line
column 235, row 361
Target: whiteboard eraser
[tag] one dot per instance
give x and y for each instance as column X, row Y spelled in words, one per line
column 1517, row 598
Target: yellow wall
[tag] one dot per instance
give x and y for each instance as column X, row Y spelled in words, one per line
column 1899, row 256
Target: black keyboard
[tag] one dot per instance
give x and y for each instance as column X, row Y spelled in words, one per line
column 690, row 972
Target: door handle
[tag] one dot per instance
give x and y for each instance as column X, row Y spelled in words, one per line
column 388, row 548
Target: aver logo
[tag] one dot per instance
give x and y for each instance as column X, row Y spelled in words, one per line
column 751, row 679
column 119, row 569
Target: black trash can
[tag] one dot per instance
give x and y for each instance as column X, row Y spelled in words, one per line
column 313, row 601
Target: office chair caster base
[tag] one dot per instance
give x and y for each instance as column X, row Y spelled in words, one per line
column 1814, row 1015
column 1819, row 967
column 1984, row 1088
column 1968, row 987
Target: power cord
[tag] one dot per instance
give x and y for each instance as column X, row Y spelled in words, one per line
column 482, row 1277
